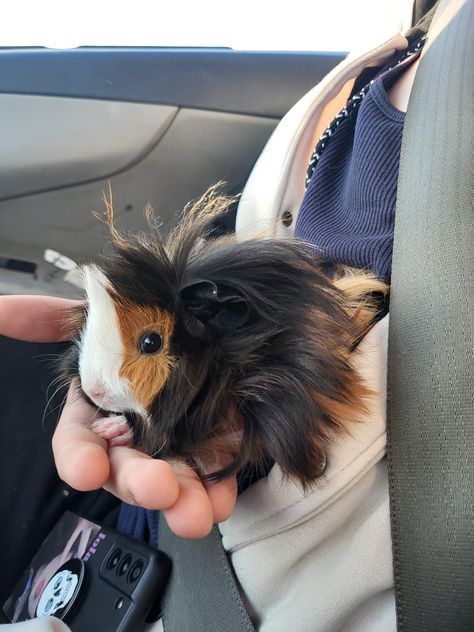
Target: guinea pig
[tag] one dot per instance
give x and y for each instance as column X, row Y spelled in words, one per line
column 191, row 344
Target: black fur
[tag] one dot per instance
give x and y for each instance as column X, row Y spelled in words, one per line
column 261, row 339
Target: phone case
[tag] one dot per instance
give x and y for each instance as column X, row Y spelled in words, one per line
column 92, row 577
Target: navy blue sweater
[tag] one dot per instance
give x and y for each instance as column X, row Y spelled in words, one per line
column 347, row 213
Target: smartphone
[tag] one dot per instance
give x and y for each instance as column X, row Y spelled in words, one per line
column 92, row 577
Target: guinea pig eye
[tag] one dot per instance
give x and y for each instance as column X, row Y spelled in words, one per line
column 150, row 343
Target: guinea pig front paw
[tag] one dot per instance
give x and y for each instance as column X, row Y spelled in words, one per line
column 115, row 430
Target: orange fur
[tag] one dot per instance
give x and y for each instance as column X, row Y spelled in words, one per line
column 359, row 288
column 146, row 374
column 347, row 412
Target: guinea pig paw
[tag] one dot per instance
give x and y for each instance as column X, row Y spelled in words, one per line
column 115, row 430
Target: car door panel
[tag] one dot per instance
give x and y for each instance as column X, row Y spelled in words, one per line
column 159, row 126
column 259, row 83
column 52, row 142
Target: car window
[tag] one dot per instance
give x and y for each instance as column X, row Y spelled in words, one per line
column 245, row 25
column 156, row 125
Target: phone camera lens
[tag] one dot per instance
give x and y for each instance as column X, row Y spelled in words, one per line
column 135, row 571
column 124, row 565
column 114, row 559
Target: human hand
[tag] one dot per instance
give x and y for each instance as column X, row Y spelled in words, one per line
column 86, row 462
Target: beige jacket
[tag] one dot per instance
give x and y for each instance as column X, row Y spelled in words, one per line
column 322, row 560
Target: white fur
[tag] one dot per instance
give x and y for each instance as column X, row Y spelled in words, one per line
column 101, row 349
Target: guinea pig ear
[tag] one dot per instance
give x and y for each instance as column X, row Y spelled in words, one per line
column 211, row 309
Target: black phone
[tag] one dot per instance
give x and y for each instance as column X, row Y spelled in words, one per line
column 92, row 577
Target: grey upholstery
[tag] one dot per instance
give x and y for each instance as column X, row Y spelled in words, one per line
column 431, row 344
column 202, row 593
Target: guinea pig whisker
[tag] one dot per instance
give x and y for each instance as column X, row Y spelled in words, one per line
column 58, row 379
column 58, row 383
column 61, row 384
column 47, row 356
column 159, row 449
column 58, row 388
column 191, row 385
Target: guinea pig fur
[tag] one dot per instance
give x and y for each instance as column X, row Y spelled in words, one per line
column 208, row 343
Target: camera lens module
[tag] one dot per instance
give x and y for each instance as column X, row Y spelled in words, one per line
column 135, row 571
column 124, row 565
column 114, row 559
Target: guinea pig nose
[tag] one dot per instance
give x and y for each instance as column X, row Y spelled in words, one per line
column 96, row 392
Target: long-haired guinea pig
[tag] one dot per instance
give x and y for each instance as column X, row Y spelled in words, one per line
column 203, row 344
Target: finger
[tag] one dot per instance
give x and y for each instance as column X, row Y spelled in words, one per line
column 138, row 479
column 222, row 494
column 222, row 497
column 80, row 454
column 35, row 318
column 201, row 504
column 192, row 515
column 86, row 462
column 189, row 507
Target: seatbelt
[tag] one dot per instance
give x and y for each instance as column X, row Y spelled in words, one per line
column 431, row 341
column 202, row 593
